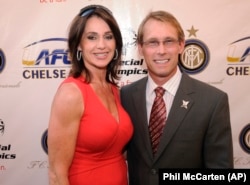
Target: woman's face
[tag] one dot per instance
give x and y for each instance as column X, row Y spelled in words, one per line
column 97, row 44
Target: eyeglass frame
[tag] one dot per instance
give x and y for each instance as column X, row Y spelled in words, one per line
column 86, row 11
column 154, row 43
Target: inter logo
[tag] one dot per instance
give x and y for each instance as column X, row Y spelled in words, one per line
column 44, row 141
column 195, row 57
column 2, row 60
column 245, row 138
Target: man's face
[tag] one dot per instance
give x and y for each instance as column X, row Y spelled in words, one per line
column 160, row 49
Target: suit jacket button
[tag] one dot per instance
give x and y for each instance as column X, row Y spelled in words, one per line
column 153, row 171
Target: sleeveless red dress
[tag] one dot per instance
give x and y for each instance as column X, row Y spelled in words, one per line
column 98, row 158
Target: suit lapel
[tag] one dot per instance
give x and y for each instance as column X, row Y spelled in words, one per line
column 181, row 105
column 139, row 98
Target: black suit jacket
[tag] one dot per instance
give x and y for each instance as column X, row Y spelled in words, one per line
column 195, row 136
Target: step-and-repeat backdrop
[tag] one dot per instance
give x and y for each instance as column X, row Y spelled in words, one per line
column 33, row 61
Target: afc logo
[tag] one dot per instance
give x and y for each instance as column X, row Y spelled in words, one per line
column 34, row 56
column 239, row 51
column 46, row 59
column 238, row 58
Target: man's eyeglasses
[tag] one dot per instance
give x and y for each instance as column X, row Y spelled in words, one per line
column 91, row 8
column 154, row 43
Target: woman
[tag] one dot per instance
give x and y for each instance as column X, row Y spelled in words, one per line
column 88, row 128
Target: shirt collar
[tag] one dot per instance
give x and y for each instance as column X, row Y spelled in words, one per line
column 171, row 85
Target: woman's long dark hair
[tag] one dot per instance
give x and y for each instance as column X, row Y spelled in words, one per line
column 75, row 35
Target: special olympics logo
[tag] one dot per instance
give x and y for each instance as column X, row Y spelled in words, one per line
column 2, row 60
column 129, row 38
column 195, row 56
column 245, row 138
column 1, row 127
column 44, row 141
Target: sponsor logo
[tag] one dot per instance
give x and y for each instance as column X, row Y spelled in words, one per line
column 5, row 149
column 52, row 1
column 2, row 60
column 195, row 56
column 238, row 57
column 2, row 168
column 130, row 66
column 41, row 164
column 1, row 127
column 244, row 138
column 4, row 152
column 38, row 164
column 46, row 59
column 129, row 38
column 240, row 161
column 44, row 141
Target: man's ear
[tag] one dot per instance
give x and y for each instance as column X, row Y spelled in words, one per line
column 182, row 46
column 139, row 46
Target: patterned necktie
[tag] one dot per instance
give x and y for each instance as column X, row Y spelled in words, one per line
column 157, row 118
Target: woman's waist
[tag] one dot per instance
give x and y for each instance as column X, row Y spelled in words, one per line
column 89, row 163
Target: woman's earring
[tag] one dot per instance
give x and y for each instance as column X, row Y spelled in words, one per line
column 116, row 54
column 78, row 55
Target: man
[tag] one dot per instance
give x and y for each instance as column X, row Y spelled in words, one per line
column 196, row 129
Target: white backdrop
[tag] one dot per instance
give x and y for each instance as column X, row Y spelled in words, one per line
column 33, row 61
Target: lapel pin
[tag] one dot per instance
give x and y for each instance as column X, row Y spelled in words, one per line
column 185, row 104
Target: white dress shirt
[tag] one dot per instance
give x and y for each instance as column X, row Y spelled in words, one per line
column 170, row 86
